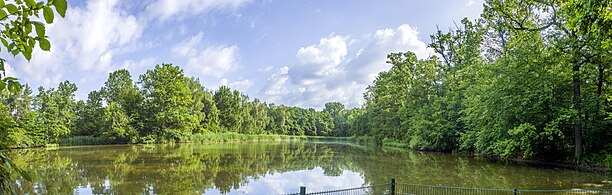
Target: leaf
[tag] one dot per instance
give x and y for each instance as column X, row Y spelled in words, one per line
column 15, row 52
column 28, row 51
column 2, row 3
column 30, row 3
column 2, row 86
column 48, row 14
column 60, row 7
column 27, row 55
column 4, row 42
column 12, row 9
column 44, row 44
column 24, row 174
column 12, row 86
column 40, row 29
column 3, row 14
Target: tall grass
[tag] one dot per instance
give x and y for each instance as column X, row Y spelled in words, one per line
column 236, row 137
column 84, row 140
column 208, row 138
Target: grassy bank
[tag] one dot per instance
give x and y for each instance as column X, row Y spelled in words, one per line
column 204, row 138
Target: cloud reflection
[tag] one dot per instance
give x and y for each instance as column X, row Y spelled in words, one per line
column 289, row 182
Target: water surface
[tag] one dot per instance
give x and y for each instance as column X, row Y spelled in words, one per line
column 271, row 168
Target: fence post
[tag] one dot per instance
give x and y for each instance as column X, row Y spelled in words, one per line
column 515, row 191
column 302, row 190
column 392, row 186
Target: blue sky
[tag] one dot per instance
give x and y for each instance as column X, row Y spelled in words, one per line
column 297, row 53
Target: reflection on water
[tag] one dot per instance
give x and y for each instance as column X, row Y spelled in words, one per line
column 290, row 182
column 270, row 168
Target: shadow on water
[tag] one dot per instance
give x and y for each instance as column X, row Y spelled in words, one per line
column 275, row 167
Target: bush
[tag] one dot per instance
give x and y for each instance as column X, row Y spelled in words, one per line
column 608, row 162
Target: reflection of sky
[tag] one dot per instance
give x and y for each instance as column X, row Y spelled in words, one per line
column 290, row 182
column 280, row 183
column 88, row 190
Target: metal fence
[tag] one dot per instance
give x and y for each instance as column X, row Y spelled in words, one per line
column 394, row 188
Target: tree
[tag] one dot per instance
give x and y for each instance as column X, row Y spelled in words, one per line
column 120, row 89
column 57, row 110
column 211, row 120
column 230, row 106
column 117, row 125
column 166, row 105
column 337, row 112
column 89, row 113
column 122, row 92
column 198, row 94
column 572, row 28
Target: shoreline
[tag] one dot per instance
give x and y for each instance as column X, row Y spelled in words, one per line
column 236, row 138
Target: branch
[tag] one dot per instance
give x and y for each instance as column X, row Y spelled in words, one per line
column 534, row 29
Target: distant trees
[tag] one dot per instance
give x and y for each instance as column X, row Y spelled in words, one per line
column 165, row 106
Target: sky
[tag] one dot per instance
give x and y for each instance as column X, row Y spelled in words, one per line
column 291, row 52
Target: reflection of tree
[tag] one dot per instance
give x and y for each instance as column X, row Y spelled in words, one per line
column 181, row 168
column 51, row 173
column 443, row 169
column 193, row 168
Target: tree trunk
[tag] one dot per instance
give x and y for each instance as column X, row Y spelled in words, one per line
column 600, row 80
column 577, row 134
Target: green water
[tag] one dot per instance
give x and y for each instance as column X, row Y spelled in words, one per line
column 271, row 168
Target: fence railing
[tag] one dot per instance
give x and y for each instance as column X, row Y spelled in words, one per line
column 394, row 188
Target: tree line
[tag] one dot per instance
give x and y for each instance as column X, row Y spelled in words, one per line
column 527, row 79
column 162, row 106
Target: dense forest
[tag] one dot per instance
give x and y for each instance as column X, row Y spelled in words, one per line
column 528, row 79
column 163, row 106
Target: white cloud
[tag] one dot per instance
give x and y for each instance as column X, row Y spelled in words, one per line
column 470, row 3
column 214, row 61
column 165, row 9
column 188, row 47
column 9, row 71
column 320, row 61
column 275, row 89
column 135, row 66
column 329, row 51
column 326, row 73
column 211, row 61
column 266, row 69
column 85, row 41
column 242, row 85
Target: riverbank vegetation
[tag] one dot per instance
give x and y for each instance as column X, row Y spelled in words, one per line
column 528, row 79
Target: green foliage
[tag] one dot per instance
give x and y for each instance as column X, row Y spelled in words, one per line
column 167, row 101
column 85, row 140
column 89, row 114
column 230, row 107
column 608, row 162
column 237, row 137
column 56, row 108
column 117, row 125
column 527, row 80
column 19, row 19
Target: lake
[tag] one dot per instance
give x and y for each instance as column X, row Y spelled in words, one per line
column 272, row 168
